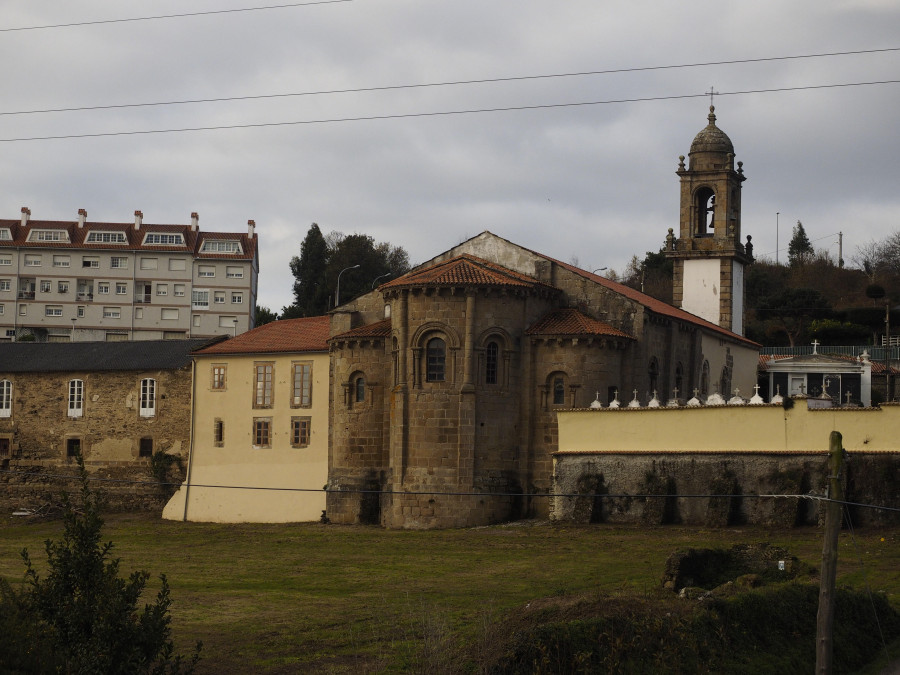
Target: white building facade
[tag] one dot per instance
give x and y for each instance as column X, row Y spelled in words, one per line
column 88, row 281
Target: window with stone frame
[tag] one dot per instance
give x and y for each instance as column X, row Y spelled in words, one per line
column 264, row 378
column 704, row 379
column 301, row 394
column 148, row 397
column 359, row 389
column 559, row 390
column 6, row 389
column 435, row 360
column 492, row 362
column 76, row 398
column 218, row 433
column 301, row 428
column 218, row 373
column 262, row 432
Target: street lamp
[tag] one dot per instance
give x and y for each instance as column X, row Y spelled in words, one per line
column 381, row 277
column 337, row 291
column 599, row 269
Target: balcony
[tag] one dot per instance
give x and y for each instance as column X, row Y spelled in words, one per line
column 142, row 299
column 26, row 295
column 83, row 296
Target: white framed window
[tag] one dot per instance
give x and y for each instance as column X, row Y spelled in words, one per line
column 62, row 287
column 98, row 237
column 232, row 272
column 200, row 299
column 161, row 239
column 148, row 397
column 112, row 312
column 5, row 285
column 5, row 234
column 138, row 312
column 45, row 286
column 178, row 290
column 53, row 310
column 2, row 309
column 32, row 260
column 237, row 298
column 103, row 287
column 206, row 271
column 162, row 289
column 169, row 314
column 118, row 262
column 5, row 398
column 5, row 260
column 90, row 261
column 61, row 261
column 219, row 297
column 221, row 246
column 76, row 398
column 121, row 288
column 80, row 311
column 48, row 235
column 196, row 321
column 149, row 263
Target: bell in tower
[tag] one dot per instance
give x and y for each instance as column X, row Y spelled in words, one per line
column 709, row 258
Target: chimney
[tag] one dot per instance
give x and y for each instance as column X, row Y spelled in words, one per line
column 251, row 228
column 138, row 219
column 26, row 214
column 82, row 216
column 195, row 221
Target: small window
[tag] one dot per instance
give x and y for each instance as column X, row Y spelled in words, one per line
column 80, row 312
column 23, row 310
column 237, row 298
column 264, row 376
column 177, row 264
column 232, row 272
column 162, row 289
column 48, row 235
column 32, row 261
column 53, row 310
column 302, row 385
column 149, row 263
column 159, row 239
column 45, row 286
column 5, row 398
column 5, row 260
column 436, row 358
column 5, row 285
column 138, row 312
column 90, row 261
column 300, row 431
column 97, row 237
column 5, row 234
column 148, row 397
column 62, row 287
column 112, row 312
column 491, row 362
column 359, row 387
column 76, row 398
column 219, row 371
column 2, row 309
column 121, row 288
column 178, row 290
column 103, row 287
column 169, row 314
column 200, row 299
column 206, row 271
column 220, row 246
column 119, row 263
column 559, row 391
column 262, row 432
column 219, row 297
column 146, row 448
column 218, row 433
column 61, row 261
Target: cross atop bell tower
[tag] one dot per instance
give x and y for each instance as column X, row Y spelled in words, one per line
column 709, row 258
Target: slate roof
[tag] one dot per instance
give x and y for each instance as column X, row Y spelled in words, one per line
column 134, row 237
column 308, row 334
column 573, row 322
column 62, row 357
column 464, row 270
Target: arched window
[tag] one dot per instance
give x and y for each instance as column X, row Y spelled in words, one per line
column 359, row 388
column 705, row 205
column 491, row 363
column 5, row 398
column 435, row 360
column 653, row 374
column 704, row 379
column 559, row 390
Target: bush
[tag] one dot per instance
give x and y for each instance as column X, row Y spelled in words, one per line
column 83, row 617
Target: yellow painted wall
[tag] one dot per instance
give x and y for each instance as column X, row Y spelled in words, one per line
column 301, row 473
column 767, row 428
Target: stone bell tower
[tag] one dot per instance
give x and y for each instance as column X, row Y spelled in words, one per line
column 709, row 258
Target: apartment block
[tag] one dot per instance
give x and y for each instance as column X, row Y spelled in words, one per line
column 79, row 281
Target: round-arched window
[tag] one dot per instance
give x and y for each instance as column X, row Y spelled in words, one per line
column 436, row 360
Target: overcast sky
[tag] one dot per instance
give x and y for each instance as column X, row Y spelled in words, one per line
column 591, row 184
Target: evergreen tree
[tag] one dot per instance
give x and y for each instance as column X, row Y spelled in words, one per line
column 264, row 315
column 310, row 290
column 800, row 249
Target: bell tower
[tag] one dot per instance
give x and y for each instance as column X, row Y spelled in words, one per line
column 709, row 258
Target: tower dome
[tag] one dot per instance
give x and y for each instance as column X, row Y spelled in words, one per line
column 711, row 138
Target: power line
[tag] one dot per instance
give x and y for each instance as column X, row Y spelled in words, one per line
column 438, row 113
column 172, row 16
column 423, row 85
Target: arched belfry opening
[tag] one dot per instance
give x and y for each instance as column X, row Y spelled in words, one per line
column 708, row 256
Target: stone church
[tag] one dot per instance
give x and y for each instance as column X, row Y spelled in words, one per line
column 446, row 382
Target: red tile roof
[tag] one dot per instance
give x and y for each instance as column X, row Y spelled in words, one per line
column 308, row 334
column 573, row 322
column 464, row 270
column 379, row 329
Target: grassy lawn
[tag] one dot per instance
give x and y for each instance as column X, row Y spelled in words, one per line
column 325, row 598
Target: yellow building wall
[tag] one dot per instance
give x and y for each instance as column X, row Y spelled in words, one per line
column 764, row 428
column 220, row 478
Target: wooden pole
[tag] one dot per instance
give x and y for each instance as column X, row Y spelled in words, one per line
column 825, row 618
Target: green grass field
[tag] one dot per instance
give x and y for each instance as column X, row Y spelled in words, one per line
column 326, row 598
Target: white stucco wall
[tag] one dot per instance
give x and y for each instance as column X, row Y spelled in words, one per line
column 701, row 288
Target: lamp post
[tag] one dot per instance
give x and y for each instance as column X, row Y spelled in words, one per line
column 337, row 291
column 776, row 236
column 72, row 337
column 381, row 277
column 599, row 269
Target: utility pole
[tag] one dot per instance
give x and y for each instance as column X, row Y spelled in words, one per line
column 825, row 618
column 887, row 351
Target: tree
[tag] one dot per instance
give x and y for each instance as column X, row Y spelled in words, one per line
column 322, row 259
column 800, row 250
column 790, row 310
column 83, row 617
column 264, row 315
